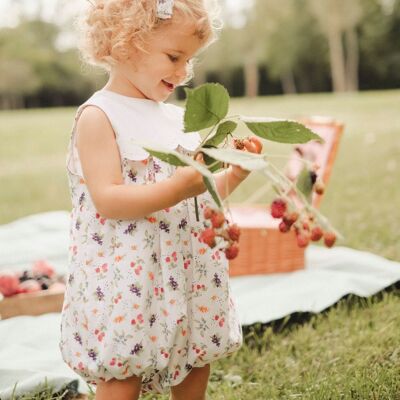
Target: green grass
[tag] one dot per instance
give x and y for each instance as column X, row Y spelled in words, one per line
column 351, row 351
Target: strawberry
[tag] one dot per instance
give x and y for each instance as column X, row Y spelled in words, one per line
column 278, row 208
column 232, row 252
column 316, row 234
column 329, row 239
column 234, row 232
column 208, row 237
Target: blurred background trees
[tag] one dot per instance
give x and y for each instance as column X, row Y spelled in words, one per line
column 278, row 46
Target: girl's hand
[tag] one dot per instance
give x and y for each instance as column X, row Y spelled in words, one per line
column 253, row 145
column 189, row 182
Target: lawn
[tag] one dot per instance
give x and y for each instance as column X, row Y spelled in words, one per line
column 351, row 351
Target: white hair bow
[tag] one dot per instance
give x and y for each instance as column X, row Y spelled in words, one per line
column 164, row 8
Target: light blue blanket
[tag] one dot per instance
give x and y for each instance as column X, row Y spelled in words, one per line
column 29, row 345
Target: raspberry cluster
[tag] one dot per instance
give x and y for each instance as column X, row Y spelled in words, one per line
column 220, row 227
column 305, row 228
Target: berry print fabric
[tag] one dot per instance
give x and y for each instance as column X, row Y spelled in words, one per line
column 144, row 297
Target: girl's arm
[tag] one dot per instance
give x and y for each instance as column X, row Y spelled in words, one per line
column 227, row 181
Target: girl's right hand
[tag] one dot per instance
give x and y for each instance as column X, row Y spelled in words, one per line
column 189, row 182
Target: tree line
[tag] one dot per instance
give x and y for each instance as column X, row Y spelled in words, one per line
column 285, row 46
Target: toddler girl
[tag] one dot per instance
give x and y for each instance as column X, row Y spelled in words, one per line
column 148, row 306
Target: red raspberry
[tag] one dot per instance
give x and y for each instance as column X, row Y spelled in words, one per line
column 217, row 219
column 232, row 252
column 284, row 227
column 319, row 187
column 290, row 218
column 329, row 239
column 208, row 237
column 302, row 240
column 234, row 232
column 316, row 234
column 278, row 208
column 208, row 213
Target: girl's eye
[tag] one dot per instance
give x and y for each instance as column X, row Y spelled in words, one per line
column 173, row 58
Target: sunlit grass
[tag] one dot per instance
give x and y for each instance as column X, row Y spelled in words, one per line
column 348, row 352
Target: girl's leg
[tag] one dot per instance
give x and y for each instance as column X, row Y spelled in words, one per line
column 114, row 389
column 194, row 386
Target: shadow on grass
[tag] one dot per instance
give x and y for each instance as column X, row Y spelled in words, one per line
column 254, row 335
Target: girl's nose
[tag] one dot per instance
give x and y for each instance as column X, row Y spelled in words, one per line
column 181, row 72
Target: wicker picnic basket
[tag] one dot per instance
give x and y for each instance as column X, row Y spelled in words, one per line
column 263, row 248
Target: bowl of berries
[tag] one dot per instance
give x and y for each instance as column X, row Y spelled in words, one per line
column 33, row 291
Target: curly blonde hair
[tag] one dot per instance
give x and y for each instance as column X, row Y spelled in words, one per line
column 110, row 29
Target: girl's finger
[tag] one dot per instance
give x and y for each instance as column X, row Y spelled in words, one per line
column 250, row 146
column 200, row 158
column 257, row 143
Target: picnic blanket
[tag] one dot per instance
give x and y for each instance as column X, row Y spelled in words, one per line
column 29, row 351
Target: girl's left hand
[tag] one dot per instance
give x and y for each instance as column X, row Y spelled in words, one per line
column 253, row 145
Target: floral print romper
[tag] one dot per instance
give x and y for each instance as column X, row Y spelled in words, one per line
column 144, row 297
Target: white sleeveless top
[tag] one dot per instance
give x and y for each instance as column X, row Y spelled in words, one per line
column 144, row 297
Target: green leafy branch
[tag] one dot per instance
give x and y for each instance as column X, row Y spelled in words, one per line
column 207, row 107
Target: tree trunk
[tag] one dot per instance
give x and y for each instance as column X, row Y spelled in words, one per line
column 251, row 78
column 288, row 83
column 336, row 55
column 352, row 53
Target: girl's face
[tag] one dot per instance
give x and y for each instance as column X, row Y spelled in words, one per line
column 155, row 75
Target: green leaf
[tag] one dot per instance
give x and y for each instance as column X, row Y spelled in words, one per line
column 205, row 106
column 178, row 159
column 223, row 131
column 304, row 183
column 281, row 131
column 244, row 159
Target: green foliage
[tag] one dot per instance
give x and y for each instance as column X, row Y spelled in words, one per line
column 246, row 160
column 206, row 106
column 349, row 352
column 224, row 129
column 283, row 131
